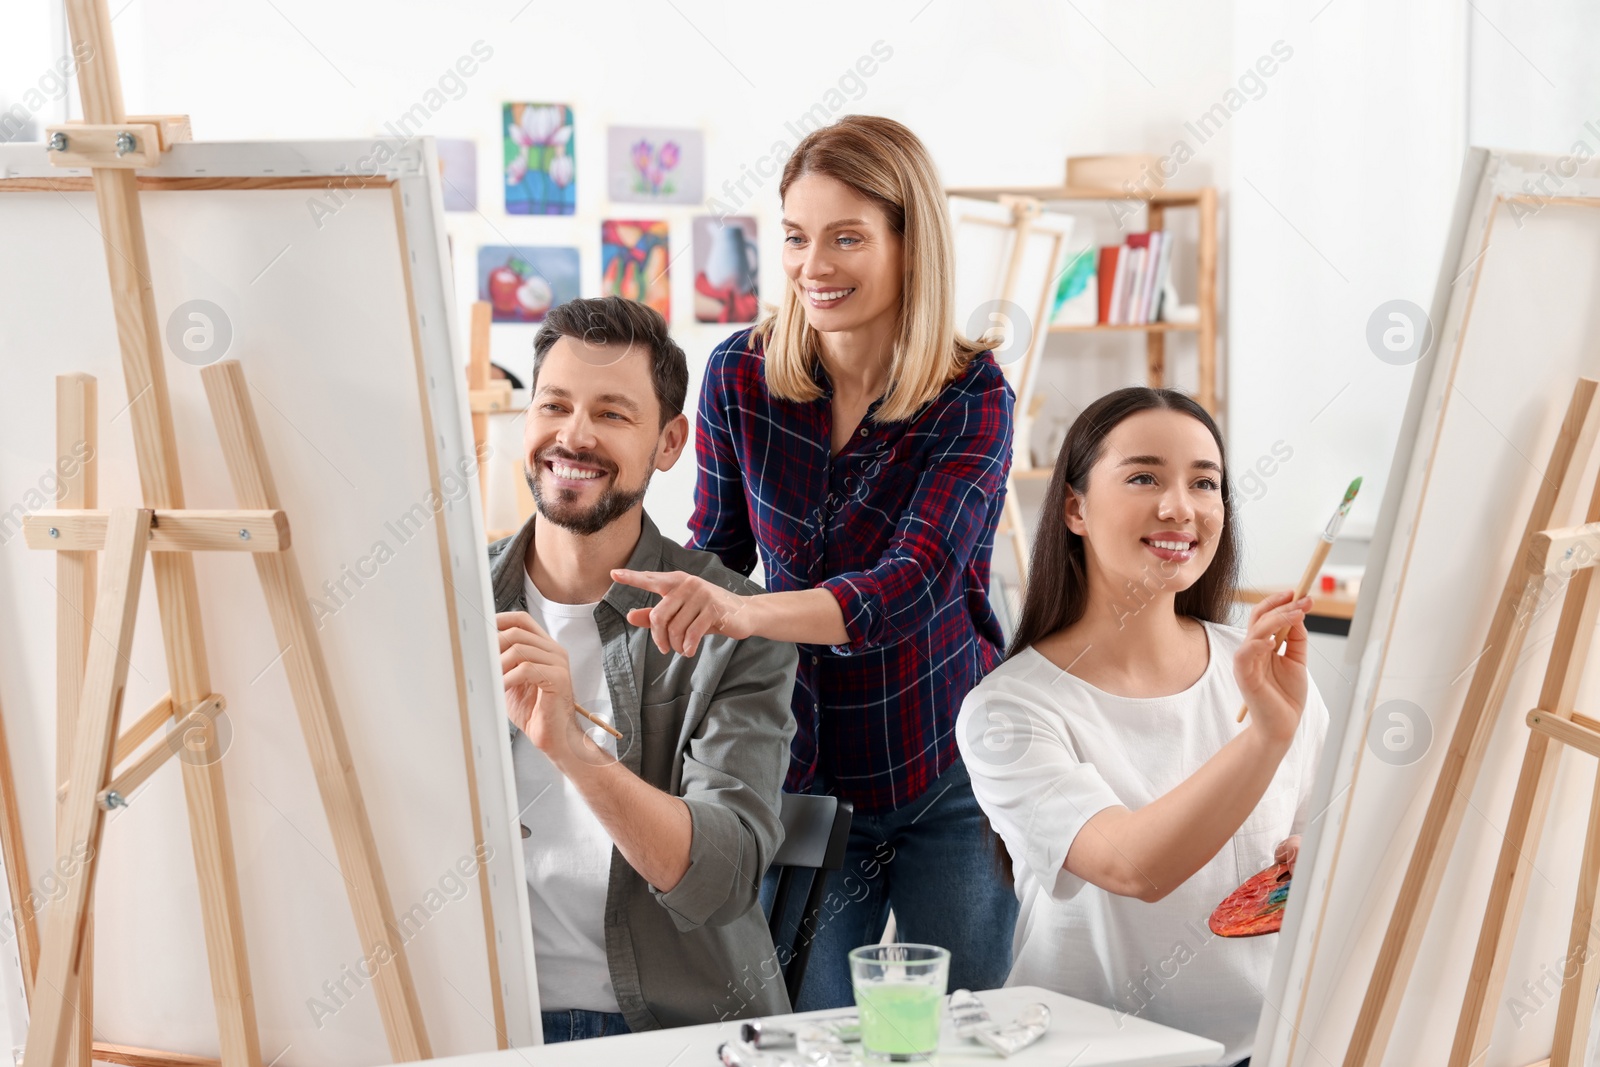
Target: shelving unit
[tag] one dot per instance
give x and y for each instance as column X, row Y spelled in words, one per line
column 1331, row 613
column 1156, row 204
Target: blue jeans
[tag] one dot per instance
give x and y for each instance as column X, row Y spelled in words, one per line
column 579, row 1025
column 933, row 864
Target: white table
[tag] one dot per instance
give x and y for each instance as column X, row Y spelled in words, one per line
column 1080, row 1035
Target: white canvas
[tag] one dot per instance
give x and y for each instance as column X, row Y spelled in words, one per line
column 1515, row 328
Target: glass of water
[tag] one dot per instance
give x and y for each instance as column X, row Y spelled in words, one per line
column 899, row 992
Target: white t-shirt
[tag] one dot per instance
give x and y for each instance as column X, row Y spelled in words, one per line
column 568, row 856
column 1046, row 752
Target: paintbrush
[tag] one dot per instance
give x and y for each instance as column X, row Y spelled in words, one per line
column 597, row 720
column 1318, row 557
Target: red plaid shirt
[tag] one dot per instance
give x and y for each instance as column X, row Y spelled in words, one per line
column 899, row 527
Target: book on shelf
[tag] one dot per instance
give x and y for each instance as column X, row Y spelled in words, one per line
column 1134, row 279
column 1139, row 275
column 1107, row 279
column 1077, row 299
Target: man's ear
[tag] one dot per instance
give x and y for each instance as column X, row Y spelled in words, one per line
column 1072, row 512
column 670, row 445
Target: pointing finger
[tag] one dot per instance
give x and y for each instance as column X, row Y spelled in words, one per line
column 654, row 581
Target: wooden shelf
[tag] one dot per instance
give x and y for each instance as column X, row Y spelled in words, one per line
column 1047, row 193
column 1026, row 203
column 1148, row 327
column 1155, row 203
column 1327, row 605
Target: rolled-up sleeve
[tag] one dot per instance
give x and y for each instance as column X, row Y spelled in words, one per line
column 721, row 519
column 732, row 782
column 1029, row 780
column 950, row 512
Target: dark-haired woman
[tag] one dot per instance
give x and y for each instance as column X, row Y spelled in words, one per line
column 1105, row 749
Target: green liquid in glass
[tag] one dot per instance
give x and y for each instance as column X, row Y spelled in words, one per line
column 899, row 1019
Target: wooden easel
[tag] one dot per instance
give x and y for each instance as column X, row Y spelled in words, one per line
column 1545, row 550
column 96, row 657
column 1024, row 209
column 490, row 397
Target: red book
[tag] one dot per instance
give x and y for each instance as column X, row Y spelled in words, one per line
column 1106, row 279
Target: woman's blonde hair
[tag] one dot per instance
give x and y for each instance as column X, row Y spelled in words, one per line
column 884, row 162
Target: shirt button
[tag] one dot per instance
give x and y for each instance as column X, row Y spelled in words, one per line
column 813, row 659
column 863, row 431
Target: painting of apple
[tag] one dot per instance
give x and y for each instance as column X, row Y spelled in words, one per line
column 534, row 298
column 523, row 284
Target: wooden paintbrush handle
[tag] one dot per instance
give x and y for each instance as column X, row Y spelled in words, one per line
column 592, row 717
column 1318, row 557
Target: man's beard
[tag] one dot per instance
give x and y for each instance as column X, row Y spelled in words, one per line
column 612, row 505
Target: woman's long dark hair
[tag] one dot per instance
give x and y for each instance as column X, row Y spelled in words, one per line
column 1057, row 590
column 1056, row 594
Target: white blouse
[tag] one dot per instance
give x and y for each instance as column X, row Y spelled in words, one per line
column 1046, row 752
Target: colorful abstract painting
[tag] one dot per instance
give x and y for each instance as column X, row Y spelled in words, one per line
column 540, row 159
column 458, row 173
column 633, row 262
column 521, row 284
column 726, row 269
column 649, row 165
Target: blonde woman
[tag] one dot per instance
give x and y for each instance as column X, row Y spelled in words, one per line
column 860, row 445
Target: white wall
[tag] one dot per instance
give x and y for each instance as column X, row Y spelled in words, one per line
column 1001, row 92
column 1335, row 175
column 1343, row 184
column 1535, row 80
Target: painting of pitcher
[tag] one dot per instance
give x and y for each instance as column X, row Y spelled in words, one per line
column 726, row 269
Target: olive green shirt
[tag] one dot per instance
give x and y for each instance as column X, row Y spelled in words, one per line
column 713, row 729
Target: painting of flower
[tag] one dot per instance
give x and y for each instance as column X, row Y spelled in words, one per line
column 655, row 166
column 633, row 262
column 540, row 159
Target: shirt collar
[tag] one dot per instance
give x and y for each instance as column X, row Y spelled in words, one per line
column 647, row 556
column 820, row 376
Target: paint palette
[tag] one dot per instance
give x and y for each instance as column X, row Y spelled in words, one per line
column 1256, row 907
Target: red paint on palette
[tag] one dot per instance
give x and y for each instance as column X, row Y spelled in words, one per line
column 1256, row 907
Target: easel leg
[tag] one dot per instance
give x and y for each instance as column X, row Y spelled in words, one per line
column 77, row 419
column 1507, row 895
column 1508, row 892
column 1578, row 991
column 211, row 835
column 1019, row 532
column 320, row 722
column 17, row 879
column 53, row 1011
column 155, row 443
column 524, row 497
column 478, row 378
